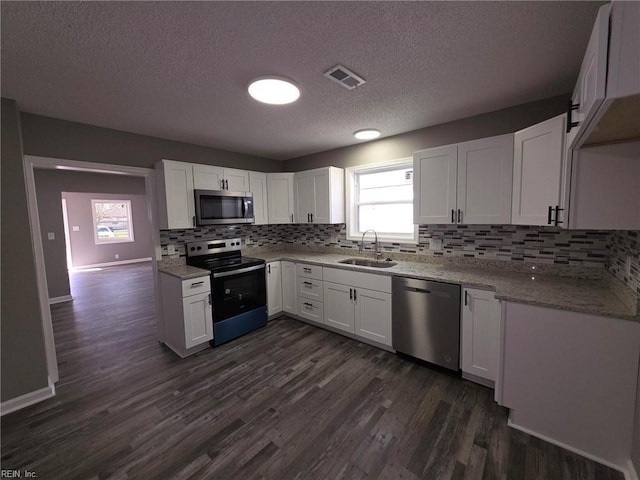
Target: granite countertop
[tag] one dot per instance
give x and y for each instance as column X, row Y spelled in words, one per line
column 605, row 297
column 182, row 271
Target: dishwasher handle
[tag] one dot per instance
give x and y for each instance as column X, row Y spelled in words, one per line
column 419, row 290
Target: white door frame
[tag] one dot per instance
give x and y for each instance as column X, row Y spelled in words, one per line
column 32, row 162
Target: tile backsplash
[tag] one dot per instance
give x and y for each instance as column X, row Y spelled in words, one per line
column 623, row 247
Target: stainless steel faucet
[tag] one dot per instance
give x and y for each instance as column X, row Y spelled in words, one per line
column 376, row 246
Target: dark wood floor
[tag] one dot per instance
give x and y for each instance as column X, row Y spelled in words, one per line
column 288, row 401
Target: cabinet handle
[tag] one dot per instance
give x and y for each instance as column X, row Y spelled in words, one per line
column 197, row 283
column 312, row 218
column 194, row 220
column 209, row 299
column 558, row 209
column 355, row 295
column 453, row 216
column 351, row 294
column 305, row 269
column 221, row 184
column 269, row 268
column 466, row 297
column 308, row 218
column 226, row 182
column 549, row 214
column 308, row 284
column 310, row 305
column 292, row 218
column 459, row 215
column 570, row 108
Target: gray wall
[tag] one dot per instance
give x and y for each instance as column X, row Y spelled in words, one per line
column 51, row 137
column 400, row 146
column 49, row 187
column 23, row 364
column 84, row 250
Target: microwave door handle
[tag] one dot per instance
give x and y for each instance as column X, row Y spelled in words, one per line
column 244, row 208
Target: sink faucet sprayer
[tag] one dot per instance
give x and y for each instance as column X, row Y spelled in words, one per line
column 376, row 246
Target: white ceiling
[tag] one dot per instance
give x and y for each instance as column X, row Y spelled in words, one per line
column 179, row 70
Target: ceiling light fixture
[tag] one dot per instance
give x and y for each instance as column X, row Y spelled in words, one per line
column 274, row 90
column 367, row 134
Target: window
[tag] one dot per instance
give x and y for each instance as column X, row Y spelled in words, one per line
column 381, row 198
column 112, row 221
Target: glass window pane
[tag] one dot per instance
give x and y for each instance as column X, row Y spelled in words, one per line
column 387, row 194
column 113, row 221
column 396, row 218
column 387, row 186
column 401, row 176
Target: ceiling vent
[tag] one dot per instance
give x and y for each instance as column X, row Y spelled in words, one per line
column 344, row 77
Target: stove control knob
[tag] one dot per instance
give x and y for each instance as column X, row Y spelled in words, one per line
column 193, row 248
column 199, row 248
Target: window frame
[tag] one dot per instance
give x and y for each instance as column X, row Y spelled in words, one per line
column 351, row 207
column 96, row 237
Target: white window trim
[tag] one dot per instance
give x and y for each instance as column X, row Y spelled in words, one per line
column 97, row 239
column 350, row 210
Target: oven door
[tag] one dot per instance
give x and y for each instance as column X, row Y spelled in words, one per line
column 238, row 291
column 214, row 207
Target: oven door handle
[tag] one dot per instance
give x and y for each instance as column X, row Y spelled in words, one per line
column 238, row 272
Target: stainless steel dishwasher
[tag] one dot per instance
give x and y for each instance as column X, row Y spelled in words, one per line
column 426, row 320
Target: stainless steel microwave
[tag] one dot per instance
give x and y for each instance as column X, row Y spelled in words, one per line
column 219, row 207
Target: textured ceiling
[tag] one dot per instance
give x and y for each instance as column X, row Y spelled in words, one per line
column 179, row 70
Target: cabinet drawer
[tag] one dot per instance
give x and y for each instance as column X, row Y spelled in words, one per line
column 309, row 271
column 311, row 289
column 371, row 281
column 194, row 286
column 311, row 309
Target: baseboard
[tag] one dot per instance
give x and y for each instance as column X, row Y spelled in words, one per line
column 631, row 473
column 62, row 299
column 606, row 463
column 113, row 264
column 28, row 399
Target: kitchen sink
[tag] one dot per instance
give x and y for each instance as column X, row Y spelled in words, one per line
column 365, row 262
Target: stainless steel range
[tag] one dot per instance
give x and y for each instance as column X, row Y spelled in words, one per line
column 238, row 287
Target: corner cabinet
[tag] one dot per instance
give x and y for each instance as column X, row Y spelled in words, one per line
column 319, row 195
column 274, row 288
column 466, row 183
column 187, row 313
column 175, row 200
column 258, row 187
column 480, row 336
column 280, row 197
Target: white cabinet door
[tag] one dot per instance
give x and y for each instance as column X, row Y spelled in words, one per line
column 198, row 324
column 274, row 288
column 258, row 187
column 305, row 196
column 289, row 295
column 373, row 315
column 480, row 334
column 485, row 176
column 434, row 185
column 537, row 172
column 236, row 180
column 207, row 177
column 339, row 308
column 322, row 199
column 176, row 207
column 593, row 72
column 280, row 197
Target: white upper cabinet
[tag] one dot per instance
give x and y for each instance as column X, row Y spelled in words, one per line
column 319, row 195
column 485, row 173
column 435, row 174
column 280, row 197
column 174, row 182
column 236, row 180
column 537, row 173
column 208, row 177
column 467, row 183
column 258, row 187
column 607, row 104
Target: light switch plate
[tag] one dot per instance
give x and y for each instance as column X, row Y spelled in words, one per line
column 75, row 228
column 51, row 236
column 171, row 249
column 435, row 244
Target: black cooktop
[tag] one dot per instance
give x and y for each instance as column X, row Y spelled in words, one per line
column 224, row 264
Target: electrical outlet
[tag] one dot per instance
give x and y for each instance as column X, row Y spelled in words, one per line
column 435, row 244
column 171, row 249
column 51, row 236
column 627, row 266
column 117, row 256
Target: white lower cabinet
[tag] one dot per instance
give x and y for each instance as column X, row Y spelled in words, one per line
column 309, row 292
column 187, row 313
column 480, row 335
column 274, row 288
column 358, row 303
column 289, row 296
column 311, row 310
